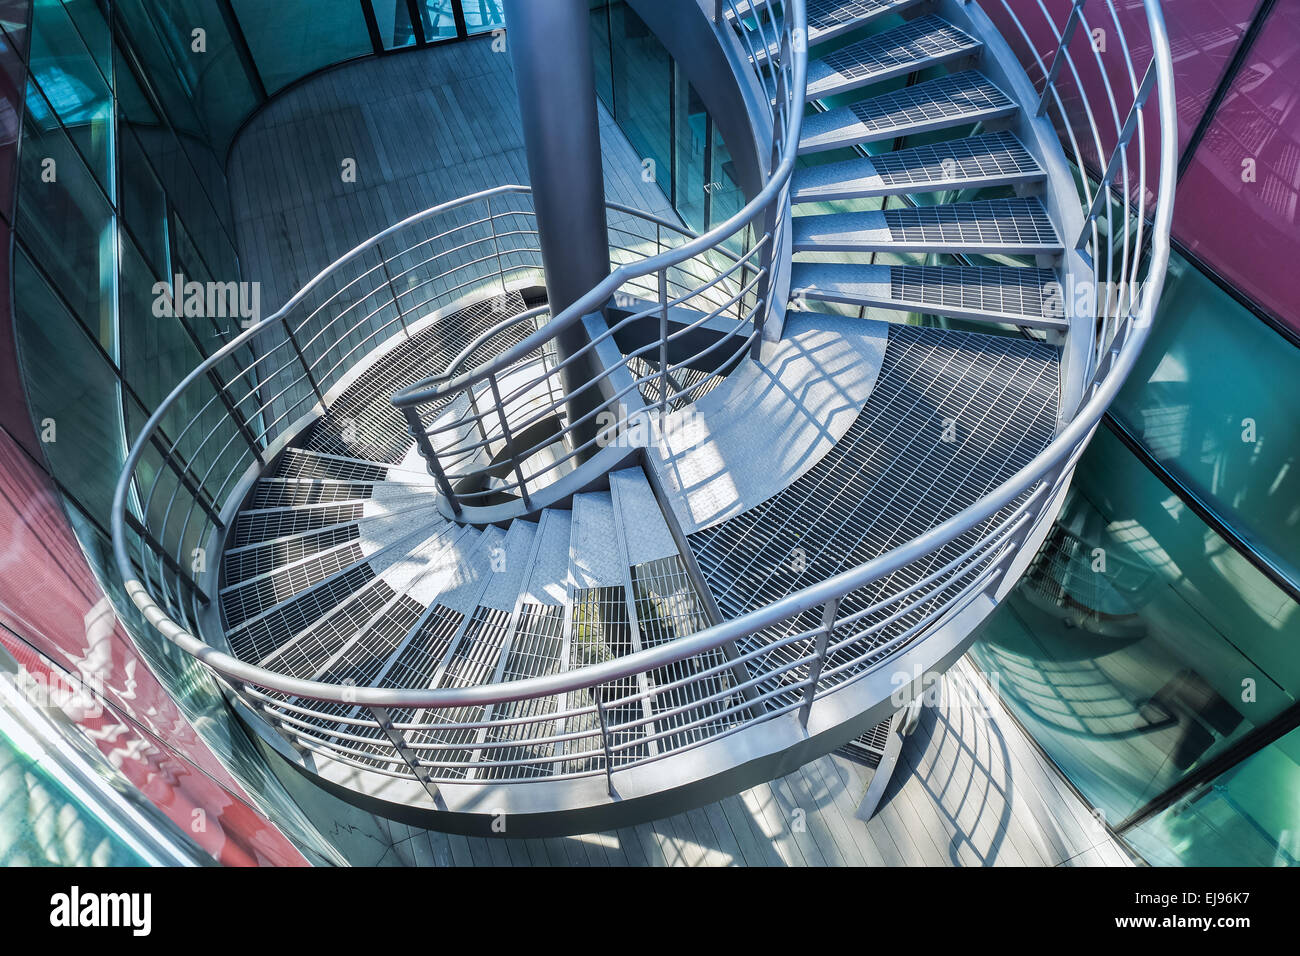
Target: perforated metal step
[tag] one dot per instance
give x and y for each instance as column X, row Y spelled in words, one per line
column 924, row 42
column 297, row 463
column 990, row 227
column 828, row 19
column 1027, row 297
column 979, row 162
column 959, row 99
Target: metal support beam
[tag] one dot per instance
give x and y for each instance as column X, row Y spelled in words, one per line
column 550, row 49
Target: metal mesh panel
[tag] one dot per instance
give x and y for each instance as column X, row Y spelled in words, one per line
column 602, row 631
column 991, row 222
column 667, row 608
column 237, row 566
column 275, row 493
column 257, row 639
column 364, row 411
column 256, row 528
column 473, row 662
column 1005, row 291
column 300, row 464
column 307, row 655
column 534, row 652
column 952, row 415
column 244, row 601
column 958, row 95
column 915, row 42
column 989, row 155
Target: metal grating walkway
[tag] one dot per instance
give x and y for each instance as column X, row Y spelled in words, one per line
column 953, row 414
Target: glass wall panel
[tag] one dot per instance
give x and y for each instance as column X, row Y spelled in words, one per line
column 209, row 67
column 1139, row 643
column 438, row 18
column 292, row 38
column 690, row 148
column 70, row 388
column 643, row 83
column 393, row 17
column 65, row 220
column 1247, row 816
column 1236, row 447
column 74, row 86
column 483, row 16
column 1239, row 201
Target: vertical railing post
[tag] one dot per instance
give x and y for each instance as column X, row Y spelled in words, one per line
column 772, row 214
column 829, row 610
column 496, row 244
column 392, row 290
column 663, row 340
column 385, row 721
column 434, row 466
column 509, row 440
column 604, row 738
column 1058, row 58
column 302, row 359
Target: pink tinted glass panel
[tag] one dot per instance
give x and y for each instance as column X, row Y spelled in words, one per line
column 1237, row 202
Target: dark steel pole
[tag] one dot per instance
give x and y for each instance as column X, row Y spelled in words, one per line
column 550, row 49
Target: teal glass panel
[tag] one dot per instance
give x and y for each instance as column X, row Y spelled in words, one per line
column 1138, row 644
column 72, row 390
column 74, row 87
column 691, row 133
column 42, row 824
column 601, row 66
column 1213, row 398
column 393, row 18
column 642, row 92
column 292, row 38
column 438, row 19
column 208, row 66
column 1247, row 816
column 65, row 221
column 483, row 16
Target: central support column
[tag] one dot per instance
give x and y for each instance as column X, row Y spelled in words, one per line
column 550, row 49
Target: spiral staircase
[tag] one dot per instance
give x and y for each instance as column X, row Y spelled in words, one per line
column 800, row 458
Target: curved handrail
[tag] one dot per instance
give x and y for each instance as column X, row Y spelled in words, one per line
column 1028, row 489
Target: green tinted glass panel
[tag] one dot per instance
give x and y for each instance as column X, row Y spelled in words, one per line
column 1139, row 644
column 1247, row 816
column 292, row 38
column 1214, row 398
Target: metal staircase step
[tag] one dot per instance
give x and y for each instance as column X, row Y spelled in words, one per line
column 829, row 19
column 917, row 44
column 1022, row 297
column 959, row 99
column 990, row 227
column 978, row 162
column 303, row 463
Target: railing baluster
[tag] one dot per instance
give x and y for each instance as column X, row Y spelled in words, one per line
column 510, row 443
column 604, row 738
column 1058, row 59
column 392, row 291
column 829, row 610
column 416, row 427
column 411, row 759
column 1113, row 165
column 663, row 340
